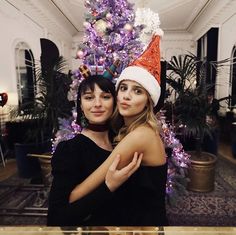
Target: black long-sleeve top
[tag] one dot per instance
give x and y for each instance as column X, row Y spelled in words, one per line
column 72, row 162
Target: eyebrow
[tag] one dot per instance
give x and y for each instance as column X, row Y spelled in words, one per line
column 87, row 92
column 92, row 92
column 135, row 86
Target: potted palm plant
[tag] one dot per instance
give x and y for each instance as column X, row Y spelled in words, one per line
column 190, row 111
column 41, row 115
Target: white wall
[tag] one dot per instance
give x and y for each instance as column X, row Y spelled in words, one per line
column 17, row 27
column 77, row 40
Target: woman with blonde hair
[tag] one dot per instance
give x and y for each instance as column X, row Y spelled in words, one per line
column 142, row 198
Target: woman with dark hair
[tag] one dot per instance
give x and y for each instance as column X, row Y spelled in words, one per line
column 142, row 198
column 77, row 158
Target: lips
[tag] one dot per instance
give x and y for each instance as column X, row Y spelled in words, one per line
column 98, row 113
column 124, row 105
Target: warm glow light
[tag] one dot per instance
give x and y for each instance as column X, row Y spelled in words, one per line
column 12, row 98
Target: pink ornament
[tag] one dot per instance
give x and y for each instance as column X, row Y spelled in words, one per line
column 86, row 24
column 115, row 55
column 108, row 16
column 128, row 27
column 79, row 54
column 101, row 60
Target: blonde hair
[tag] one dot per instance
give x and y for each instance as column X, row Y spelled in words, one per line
column 146, row 117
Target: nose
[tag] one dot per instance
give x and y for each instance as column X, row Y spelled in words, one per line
column 97, row 102
column 127, row 95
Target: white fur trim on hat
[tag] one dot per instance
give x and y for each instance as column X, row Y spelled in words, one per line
column 144, row 78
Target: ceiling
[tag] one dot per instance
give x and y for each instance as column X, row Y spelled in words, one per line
column 68, row 15
column 175, row 15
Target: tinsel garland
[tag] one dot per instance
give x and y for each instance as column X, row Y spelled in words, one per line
column 178, row 160
column 67, row 130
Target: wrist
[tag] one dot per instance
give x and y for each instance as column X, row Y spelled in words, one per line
column 110, row 186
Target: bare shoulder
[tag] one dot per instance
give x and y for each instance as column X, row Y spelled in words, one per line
column 144, row 131
column 139, row 138
column 144, row 136
column 153, row 146
column 142, row 139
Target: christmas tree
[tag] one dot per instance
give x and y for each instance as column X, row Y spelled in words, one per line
column 110, row 35
column 178, row 160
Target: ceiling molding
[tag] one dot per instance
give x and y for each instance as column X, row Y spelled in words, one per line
column 59, row 4
column 203, row 8
column 218, row 12
column 43, row 17
column 65, row 17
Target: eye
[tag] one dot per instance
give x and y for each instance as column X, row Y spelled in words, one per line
column 88, row 97
column 138, row 91
column 107, row 96
column 123, row 88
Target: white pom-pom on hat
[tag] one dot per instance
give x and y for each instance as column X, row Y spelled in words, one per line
column 151, row 22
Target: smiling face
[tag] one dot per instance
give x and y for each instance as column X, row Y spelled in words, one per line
column 97, row 105
column 132, row 99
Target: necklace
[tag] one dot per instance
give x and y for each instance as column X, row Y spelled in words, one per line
column 98, row 127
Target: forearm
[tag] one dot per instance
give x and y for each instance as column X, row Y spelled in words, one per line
column 91, row 182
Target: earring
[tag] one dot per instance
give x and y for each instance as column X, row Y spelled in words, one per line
column 83, row 121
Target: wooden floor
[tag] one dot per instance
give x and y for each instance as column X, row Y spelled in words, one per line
column 9, row 170
column 226, row 152
column 11, row 167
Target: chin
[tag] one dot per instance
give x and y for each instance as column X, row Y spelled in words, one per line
column 126, row 115
column 123, row 113
column 99, row 121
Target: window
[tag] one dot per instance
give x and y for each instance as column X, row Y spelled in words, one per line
column 232, row 83
column 207, row 52
column 25, row 75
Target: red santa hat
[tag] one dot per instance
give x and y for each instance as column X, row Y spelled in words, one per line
column 146, row 70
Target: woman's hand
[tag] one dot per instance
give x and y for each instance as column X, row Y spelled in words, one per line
column 115, row 178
